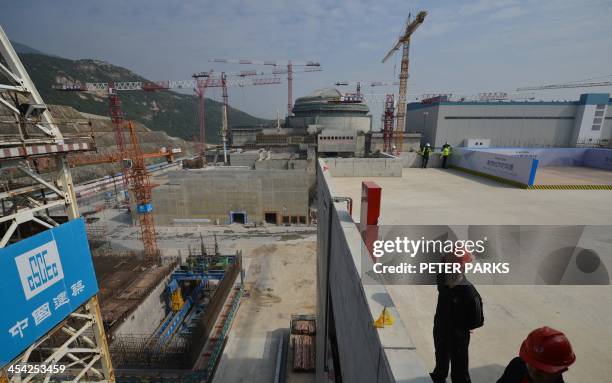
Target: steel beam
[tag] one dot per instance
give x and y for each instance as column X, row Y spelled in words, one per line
column 86, row 349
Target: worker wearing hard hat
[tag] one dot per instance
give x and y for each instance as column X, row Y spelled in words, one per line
column 425, row 152
column 459, row 310
column 544, row 356
column 446, row 152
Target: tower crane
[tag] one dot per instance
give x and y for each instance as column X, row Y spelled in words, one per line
column 131, row 159
column 200, row 90
column 289, row 71
column 388, row 116
column 404, row 42
column 136, row 176
column 199, row 82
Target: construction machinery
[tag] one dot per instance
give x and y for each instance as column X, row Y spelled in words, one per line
column 358, row 96
column 404, row 42
column 359, row 83
column 135, row 174
column 136, row 177
column 200, row 91
column 205, row 80
column 311, row 66
column 388, row 117
column 199, row 83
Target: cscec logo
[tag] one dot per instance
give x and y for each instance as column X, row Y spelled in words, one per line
column 39, row 269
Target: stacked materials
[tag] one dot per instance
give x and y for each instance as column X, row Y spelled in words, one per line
column 303, row 330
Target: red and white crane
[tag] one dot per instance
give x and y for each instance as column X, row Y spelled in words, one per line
column 137, row 175
column 200, row 82
column 312, row 65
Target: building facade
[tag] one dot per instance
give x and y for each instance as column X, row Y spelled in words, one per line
column 586, row 122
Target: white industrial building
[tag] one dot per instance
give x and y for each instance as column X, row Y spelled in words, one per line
column 586, row 122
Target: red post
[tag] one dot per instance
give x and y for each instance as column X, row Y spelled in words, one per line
column 370, row 212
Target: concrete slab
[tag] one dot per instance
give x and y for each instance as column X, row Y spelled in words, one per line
column 450, row 197
column 582, row 312
column 566, row 175
column 437, row 196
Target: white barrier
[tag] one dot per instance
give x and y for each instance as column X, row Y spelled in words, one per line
column 511, row 168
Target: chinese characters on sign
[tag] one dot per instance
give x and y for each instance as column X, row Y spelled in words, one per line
column 41, row 313
column 45, row 277
column 77, row 288
column 60, row 300
column 44, row 311
column 501, row 165
column 18, row 328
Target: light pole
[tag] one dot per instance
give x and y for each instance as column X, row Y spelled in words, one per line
column 425, row 114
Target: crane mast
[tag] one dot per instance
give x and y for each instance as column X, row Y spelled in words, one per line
column 224, row 129
column 200, row 91
column 404, row 42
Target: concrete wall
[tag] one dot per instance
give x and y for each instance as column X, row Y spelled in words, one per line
column 244, row 159
column 354, row 123
column 214, row 192
column 412, row 142
column 346, row 308
column 147, row 316
column 369, row 167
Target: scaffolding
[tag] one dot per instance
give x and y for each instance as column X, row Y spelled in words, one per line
column 388, row 118
column 28, row 199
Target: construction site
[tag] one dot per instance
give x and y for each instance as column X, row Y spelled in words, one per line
column 132, row 255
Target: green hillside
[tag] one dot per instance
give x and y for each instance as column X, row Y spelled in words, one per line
column 173, row 113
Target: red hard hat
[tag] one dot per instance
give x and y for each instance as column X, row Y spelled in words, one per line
column 459, row 255
column 548, row 350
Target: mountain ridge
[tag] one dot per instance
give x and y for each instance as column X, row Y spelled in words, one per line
column 167, row 111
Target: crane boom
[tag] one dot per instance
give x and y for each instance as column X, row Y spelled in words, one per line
column 163, row 85
column 566, row 86
column 289, row 64
column 266, row 62
column 410, row 28
column 404, row 40
column 366, row 83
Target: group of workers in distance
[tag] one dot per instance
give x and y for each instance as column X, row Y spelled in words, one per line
column 543, row 356
column 427, row 150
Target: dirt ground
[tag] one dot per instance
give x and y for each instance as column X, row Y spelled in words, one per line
column 280, row 282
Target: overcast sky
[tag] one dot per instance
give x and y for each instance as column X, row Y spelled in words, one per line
column 464, row 47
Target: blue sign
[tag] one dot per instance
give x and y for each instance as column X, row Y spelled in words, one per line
column 145, row 208
column 43, row 279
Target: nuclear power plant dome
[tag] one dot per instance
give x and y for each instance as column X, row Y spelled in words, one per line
column 327, row 100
